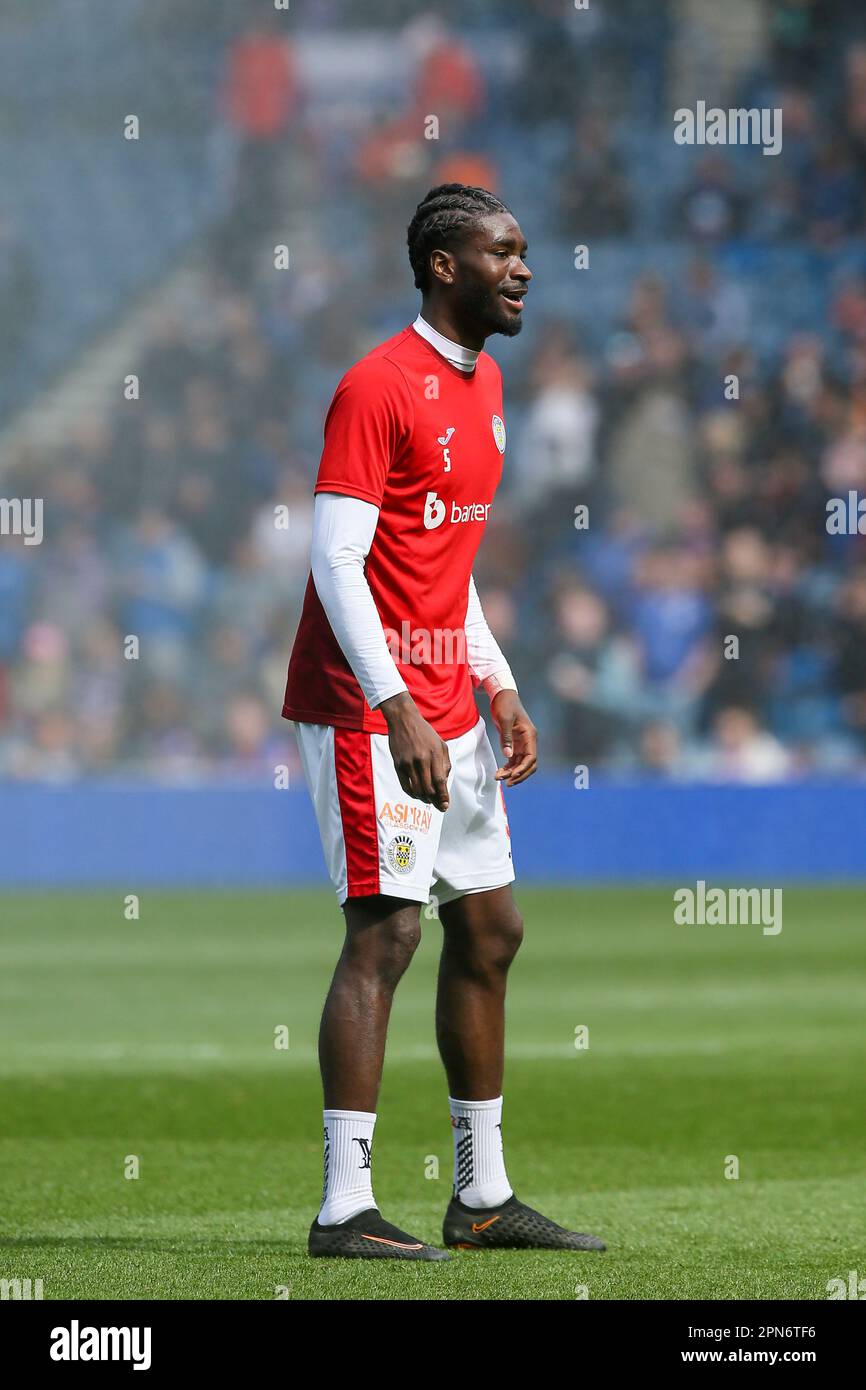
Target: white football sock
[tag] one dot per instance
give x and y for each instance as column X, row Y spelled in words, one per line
column 348, row 1186
column 479, row 1165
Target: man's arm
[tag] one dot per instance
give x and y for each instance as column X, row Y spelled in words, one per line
column 487, row 665
column 489, row 669
column 343, row 531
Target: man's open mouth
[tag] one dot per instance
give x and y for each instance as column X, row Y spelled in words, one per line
column 514, row 297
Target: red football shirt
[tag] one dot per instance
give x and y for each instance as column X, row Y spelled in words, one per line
column 423, row 441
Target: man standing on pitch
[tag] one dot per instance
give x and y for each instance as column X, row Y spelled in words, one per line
column 409, row 801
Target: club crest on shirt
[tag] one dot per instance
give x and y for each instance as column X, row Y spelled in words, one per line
column 499, row 433
column 401, row 854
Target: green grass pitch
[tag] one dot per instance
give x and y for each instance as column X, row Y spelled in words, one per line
column 155, row 1038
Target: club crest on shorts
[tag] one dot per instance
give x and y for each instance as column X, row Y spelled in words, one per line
column 401, row 854
column 499, row 433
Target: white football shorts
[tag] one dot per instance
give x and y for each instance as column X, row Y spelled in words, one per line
column 377, row 839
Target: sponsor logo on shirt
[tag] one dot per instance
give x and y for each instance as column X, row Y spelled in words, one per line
column 446, row 452
column 435, row 511
column 401, row 854
column 499, row 433
column 400, row 814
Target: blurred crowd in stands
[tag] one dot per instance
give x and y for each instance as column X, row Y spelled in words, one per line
column 658, row 569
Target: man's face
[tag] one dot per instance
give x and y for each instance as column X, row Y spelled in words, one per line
column 490, row 276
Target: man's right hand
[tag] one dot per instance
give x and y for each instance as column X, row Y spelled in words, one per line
column 420, row 755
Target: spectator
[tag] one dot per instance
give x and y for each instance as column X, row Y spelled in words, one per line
column 261, row 101
column 849, row 643
column 594, row 196
column 711, row 208
column 670, row 616
column 448, row 81
column 591, row 672
column 741, row 751
column 19, row 296
column 555, row 462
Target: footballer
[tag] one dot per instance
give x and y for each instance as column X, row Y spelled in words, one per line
column 391, row 643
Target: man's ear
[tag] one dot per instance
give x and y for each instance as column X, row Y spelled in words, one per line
column 443, row 266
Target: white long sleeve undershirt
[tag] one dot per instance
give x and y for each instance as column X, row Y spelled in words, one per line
column 486, row 662
column 343, row 531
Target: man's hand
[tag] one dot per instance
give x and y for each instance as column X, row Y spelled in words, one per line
column 420, row 756
column 517, row 736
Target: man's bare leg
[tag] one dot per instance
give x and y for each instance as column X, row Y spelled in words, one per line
column 482, row 933
column 382, row 934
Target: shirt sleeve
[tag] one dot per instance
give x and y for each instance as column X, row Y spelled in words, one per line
column 343, row 531
column 367, row 425
column 486, row 662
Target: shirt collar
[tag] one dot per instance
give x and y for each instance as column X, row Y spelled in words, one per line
column 463, row 358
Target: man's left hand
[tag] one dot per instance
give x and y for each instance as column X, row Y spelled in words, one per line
column 517, row 736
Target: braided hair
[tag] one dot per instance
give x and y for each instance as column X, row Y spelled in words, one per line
column 444, row 217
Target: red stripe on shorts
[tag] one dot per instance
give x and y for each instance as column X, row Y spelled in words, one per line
column 353, row 762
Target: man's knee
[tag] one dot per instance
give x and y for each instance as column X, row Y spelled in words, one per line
column 400, row 940
column 486, row 943
column 508, row 938
column 383, row 938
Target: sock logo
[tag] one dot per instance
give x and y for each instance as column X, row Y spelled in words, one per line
column 327, row 1165
column 464, row 1164
column 366, row 1152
